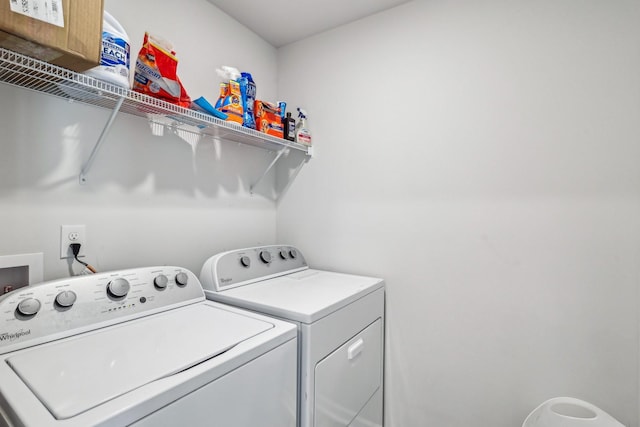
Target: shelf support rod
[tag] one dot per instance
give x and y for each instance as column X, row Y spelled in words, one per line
column 87, row 166
column 295, row 173
column 275, row 160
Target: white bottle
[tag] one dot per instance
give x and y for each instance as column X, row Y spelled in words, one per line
column 115, row 58
column 303, row 135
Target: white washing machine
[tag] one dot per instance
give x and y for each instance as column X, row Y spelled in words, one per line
column 144, row 348
column 340, row 320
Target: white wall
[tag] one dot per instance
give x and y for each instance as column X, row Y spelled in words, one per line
column 479, row 155
column 482, row 157
column 149, row 200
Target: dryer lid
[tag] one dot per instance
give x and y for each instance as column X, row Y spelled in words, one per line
column 305, row 296
column 76, row 374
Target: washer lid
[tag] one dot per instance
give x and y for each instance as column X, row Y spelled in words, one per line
column 74, row 375
column 306, row 296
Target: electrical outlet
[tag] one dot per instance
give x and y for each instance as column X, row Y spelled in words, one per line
column 72, row 234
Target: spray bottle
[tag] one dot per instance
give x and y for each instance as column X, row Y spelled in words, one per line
column 303, row 135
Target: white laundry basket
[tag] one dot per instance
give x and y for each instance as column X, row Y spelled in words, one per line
column 569, row 412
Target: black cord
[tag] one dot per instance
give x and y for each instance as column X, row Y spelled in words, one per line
column 75, row 249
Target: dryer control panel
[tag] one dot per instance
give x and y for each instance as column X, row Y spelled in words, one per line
column 61, row 308
column 244, row 266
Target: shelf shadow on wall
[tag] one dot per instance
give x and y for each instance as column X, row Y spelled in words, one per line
column 47, row 141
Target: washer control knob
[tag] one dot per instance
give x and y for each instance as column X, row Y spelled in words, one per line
column 265, row 256
column 160, row 282
column 118, row 288
column 284, row 254
column 245, row 261
column 28, row 307
column 293, row 253
column 182, row 279
column 66, row 299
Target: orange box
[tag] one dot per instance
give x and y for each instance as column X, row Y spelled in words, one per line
column 268, row 118
column 71, row 38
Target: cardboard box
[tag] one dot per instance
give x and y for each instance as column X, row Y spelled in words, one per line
column 67, row 33
column 268, row 119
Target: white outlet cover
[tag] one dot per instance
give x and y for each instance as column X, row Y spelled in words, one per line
column 66, row 233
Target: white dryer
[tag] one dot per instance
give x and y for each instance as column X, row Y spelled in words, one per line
column 144, row 348
column 340, row 320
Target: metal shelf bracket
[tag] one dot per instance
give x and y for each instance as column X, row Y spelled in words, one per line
column 271, row 165
column 87, row 165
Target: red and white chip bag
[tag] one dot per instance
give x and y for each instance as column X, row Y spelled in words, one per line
column 156, row 72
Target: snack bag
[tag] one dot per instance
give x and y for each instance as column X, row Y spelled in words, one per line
column 156, row 72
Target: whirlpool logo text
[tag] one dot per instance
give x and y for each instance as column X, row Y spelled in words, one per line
column 6, row 336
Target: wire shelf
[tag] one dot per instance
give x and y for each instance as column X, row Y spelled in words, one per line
column 29, row 73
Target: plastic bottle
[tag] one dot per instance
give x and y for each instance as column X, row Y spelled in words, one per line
column 248, row 89
column 289, row 128
column 115, row 58
column 303, row 135
column 224, row 92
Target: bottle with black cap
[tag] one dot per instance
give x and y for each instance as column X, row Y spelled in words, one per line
column 289, row 128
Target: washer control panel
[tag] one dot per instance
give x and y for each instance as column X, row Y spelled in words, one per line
column 243, row 266
column 57, row 309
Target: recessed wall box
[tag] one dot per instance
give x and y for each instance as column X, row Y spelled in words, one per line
column 21, row 270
